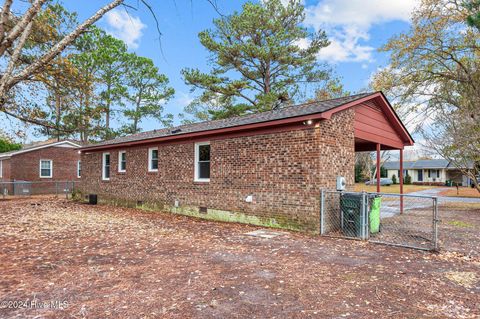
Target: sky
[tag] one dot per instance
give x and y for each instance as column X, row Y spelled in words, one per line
column 356, row 29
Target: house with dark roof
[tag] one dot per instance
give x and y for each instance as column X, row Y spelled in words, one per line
column 265, row 169
column 428, row 172
column 42, row 162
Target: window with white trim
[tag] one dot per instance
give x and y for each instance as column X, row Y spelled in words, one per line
column 435, row 173
column 153, row 159
column 79, row 169
column 122, row 161
column 106, row 166
column 202, row 162
column 46, row 168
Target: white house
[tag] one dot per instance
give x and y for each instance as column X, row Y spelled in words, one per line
column 434, row 171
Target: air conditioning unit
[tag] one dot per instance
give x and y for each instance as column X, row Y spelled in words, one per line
column 341, row 183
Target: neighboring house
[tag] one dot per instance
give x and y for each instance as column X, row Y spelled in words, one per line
column 44, row 161
column 430, row 172
column 267, row 168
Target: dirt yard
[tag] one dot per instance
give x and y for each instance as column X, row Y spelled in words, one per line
column 80, row 261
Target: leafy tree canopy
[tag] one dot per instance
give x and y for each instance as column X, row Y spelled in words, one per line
column 261, row 58
column 7, row 145
column 434, row 74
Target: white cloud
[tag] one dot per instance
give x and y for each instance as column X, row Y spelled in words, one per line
column 184, row 99
column 348, row 23
column 286, row 2
column 125, row 26
column 303, row 43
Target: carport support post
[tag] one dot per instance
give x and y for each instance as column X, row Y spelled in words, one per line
column 378, row 168
column 401, row 181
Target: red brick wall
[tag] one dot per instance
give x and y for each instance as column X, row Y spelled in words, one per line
column 5, row 170
column 284, row 171
column 26, row 166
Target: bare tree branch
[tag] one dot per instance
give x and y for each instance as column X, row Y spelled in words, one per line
column 56, row 49
column 21, row 25
column 15, row 55
column 4, row 18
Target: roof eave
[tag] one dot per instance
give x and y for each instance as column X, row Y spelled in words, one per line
column 406, row 137
column 39, row 147
column 209, row 133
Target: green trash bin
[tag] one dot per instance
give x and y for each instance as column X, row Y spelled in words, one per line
column 351, row 208
column 448, row 183
column 374, row 214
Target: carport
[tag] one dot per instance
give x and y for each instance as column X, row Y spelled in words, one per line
column 378, row 127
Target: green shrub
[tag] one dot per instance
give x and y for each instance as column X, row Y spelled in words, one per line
column 394, row 179
column 407, row 180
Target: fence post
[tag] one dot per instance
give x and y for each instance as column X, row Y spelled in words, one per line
column 435, row 223
column 363, row 235
column 322, row 212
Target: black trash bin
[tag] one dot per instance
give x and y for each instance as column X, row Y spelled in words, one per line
column 92, row 199
column 351, row 207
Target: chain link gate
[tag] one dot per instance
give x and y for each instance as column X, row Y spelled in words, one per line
column 393, row 219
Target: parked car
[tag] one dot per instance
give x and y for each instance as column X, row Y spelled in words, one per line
column 383, row 182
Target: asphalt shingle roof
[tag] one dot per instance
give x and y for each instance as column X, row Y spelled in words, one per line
column 277, row 114
column 420, row 164
column 32, row 146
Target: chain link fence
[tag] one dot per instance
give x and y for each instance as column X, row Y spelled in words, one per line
column 394, row 219
column 28, row 188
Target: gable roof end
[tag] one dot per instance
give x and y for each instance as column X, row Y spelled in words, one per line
column 35, row 147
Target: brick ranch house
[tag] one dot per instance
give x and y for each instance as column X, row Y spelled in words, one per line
column 45, row 162
column 429, row 172
column 266, row 169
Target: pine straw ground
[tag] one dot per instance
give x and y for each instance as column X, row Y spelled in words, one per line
column 107, row 262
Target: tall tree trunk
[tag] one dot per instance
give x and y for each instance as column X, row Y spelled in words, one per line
column 58, row 111
column 267, row 78
column 107, row 112
column 138, row 103
column 137, row 114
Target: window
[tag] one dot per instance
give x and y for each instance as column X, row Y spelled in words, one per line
column 46, row 168
column 79, row 169
column 202, row 162
column 1, row 169
column 434, row 173
column 106, row 166
column 153, row 159
column 405, row 172
column 122, row 161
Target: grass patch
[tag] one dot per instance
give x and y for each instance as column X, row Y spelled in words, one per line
column 459, row 223
column 462, row 192
column 394, row 189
